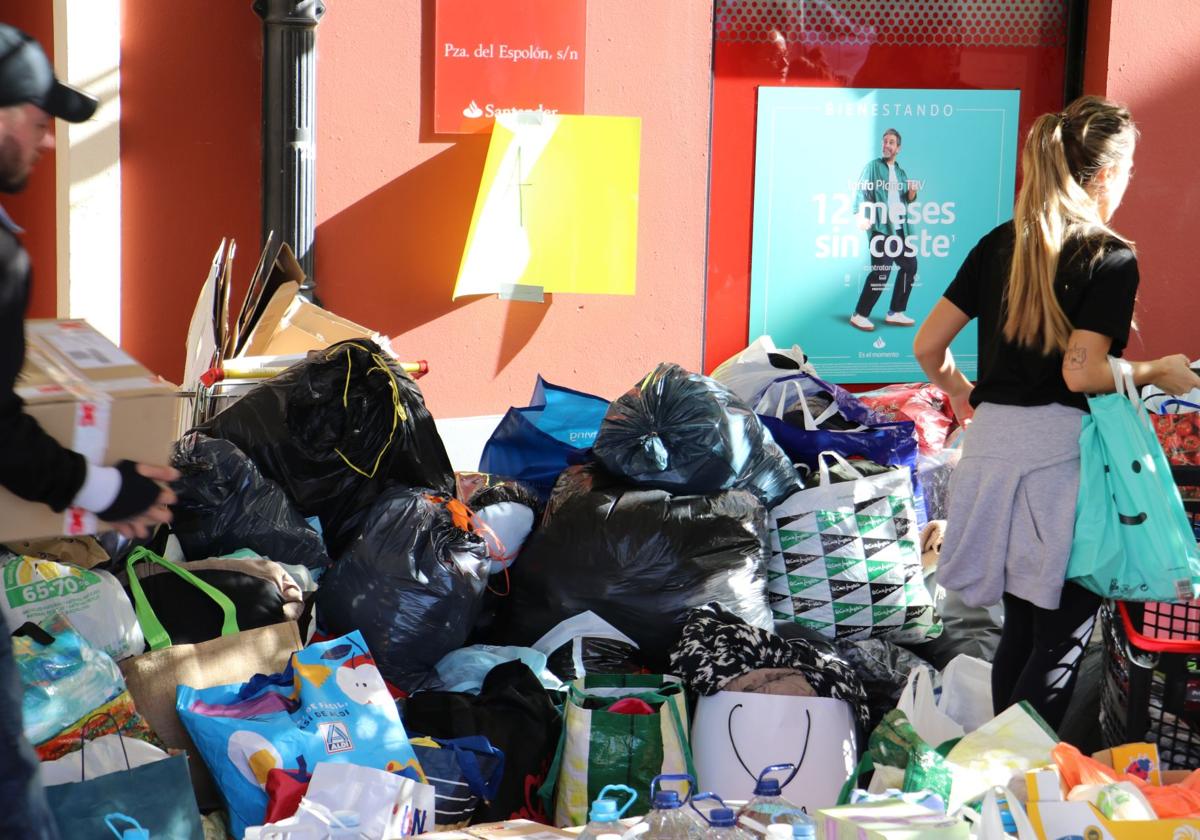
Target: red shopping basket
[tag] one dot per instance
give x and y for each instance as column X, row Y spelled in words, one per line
column 1151, row 689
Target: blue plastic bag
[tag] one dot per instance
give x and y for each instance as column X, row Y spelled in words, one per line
column 63, row 680
column 536, row 443
column 330, row 705
column 1133, row 540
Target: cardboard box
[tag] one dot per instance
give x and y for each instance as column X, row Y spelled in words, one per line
column 504, row 830
column 888, row 820
column 91, row 397
column 1052, row 819
column 290, row 324
column 516, row 830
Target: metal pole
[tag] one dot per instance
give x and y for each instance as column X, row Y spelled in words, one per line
column 289, row 106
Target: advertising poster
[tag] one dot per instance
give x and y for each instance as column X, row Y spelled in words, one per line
column 496, row 57
column 866, row 202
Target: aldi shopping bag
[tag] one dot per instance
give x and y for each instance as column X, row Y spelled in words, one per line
column 537, row 443
column 331, row 704
column 158, row 795
column 601, row 746
column 846, row 559
column 1133, row 541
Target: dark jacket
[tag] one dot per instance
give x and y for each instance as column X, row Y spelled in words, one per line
column 33, row 465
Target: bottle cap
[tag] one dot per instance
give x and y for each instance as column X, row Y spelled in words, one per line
column 804, row 830
column 604, row 810
column 767, row 787
column 667, row 799
column 722, row 817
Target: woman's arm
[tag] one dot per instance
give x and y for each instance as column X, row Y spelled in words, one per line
column 932, row 349
column 1085, row 368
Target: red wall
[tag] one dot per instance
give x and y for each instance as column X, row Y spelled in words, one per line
column 1144, row 55
column 394, row 203
column 191, row 76
column 33, row 209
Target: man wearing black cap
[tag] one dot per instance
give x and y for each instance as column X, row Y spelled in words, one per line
column 34, row 465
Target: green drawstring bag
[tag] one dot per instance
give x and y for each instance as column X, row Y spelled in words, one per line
column 1133, row 541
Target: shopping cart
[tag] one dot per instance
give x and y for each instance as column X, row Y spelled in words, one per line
column 221, row 386
column 1151, row 688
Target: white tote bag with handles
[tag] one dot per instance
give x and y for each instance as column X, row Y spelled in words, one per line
column 736, row 734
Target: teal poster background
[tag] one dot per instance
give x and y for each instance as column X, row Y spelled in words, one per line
column 810, row 254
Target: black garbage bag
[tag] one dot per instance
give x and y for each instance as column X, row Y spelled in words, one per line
column 335, row 429
column 516, row 715
column 688, row 433
column 597, row 655
column 640, row 559
column 411, row 583
column 226, row 504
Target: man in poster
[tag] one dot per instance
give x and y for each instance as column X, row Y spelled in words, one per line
column 884, row 193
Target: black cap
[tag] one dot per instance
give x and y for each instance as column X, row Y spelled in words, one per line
column 27, row 76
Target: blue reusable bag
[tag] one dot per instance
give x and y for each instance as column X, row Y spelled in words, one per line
column 1133, row 541
column 331, row 704
column 536, row 443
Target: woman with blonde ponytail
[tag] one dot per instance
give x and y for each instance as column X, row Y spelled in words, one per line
column 1053, row 291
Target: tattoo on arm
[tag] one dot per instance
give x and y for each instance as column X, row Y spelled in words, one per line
column 1076, row 358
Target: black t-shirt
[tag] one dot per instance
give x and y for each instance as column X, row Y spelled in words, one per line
column 1096, row 295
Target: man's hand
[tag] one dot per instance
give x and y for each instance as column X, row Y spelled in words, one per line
column 157, row 514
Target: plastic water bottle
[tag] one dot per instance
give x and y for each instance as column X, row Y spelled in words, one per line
column 723, row 826
column 667, row 820
column 803, row 827
column 768, row 802
column 605, row 815
column 699, row 816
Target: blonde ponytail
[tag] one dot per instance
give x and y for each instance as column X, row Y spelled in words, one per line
column 1062, row 155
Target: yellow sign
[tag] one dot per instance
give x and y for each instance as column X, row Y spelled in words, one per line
column 557, row 207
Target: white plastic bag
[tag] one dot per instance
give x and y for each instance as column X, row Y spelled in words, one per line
column 967, row 692
column 920, row 707
column 388, row 806
column 1002, row 749
column 990, row 825
column 379, row 805
column 91, row 599
column 106, row 754
column 750, row 371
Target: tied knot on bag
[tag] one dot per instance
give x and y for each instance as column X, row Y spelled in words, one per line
column 399, row 414
column 465, row 519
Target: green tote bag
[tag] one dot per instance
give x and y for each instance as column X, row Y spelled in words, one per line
column 1133, row 541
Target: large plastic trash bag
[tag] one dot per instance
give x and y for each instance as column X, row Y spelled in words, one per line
column 412, row 583
column 226, row 504
column 687, row 433
column 536, row 443
column 335, row 429
column 640, row 559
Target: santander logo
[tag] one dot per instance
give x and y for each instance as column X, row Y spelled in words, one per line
column 472, row 111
